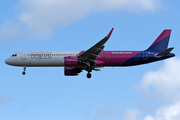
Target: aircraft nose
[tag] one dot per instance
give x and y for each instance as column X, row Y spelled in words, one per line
column 7, row 61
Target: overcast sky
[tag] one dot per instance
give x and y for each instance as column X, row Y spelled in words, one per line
column 145, row 92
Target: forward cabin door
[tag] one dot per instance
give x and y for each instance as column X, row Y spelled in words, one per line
column 23, row 56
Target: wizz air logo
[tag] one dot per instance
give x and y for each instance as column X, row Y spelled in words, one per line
column 40, row 55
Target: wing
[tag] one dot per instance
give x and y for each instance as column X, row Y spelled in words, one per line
column 92, row 53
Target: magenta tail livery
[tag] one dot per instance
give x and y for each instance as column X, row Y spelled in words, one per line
column 94, row 58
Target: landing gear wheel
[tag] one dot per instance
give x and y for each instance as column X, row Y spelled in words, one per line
column 23, row 72
column 89, row 75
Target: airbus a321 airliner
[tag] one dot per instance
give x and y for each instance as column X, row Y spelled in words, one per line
column 94, row 58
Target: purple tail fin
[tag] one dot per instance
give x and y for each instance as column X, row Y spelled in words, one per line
column 161, row 43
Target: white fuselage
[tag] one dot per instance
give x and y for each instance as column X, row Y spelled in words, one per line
column 40, row 58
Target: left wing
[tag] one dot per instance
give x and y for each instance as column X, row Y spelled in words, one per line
column 92, row 53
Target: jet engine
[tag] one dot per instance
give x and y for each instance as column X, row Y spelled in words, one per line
column 68, row 71
column 70, row 61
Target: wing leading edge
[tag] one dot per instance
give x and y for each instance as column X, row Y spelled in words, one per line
column 92, row 53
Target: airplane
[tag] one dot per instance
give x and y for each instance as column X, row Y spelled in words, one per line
column 94, row 58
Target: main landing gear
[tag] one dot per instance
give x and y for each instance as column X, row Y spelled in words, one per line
column 24, row 71
column 89, row 74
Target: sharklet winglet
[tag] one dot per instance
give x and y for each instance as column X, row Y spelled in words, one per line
column 110, row 33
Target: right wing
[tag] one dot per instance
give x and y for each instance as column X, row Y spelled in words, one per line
column 92, row 53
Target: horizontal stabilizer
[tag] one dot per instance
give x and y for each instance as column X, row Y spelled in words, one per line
column 165, row 52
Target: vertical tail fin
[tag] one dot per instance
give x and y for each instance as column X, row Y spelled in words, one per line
column 161, row 43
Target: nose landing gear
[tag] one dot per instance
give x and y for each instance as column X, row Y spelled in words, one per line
column 24, row 71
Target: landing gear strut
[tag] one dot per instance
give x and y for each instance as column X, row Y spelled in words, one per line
column 89, row 74
column 24, row 71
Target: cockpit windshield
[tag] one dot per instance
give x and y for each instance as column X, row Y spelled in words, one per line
column 14, row 55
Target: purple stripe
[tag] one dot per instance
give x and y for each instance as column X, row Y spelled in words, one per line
column 110, row 33
column 116, row 58
column 164, row 34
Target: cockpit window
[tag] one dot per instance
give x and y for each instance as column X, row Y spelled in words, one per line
column 14, row 55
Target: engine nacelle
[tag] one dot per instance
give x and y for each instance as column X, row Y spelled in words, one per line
column 68, row 71
column 70, row 61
